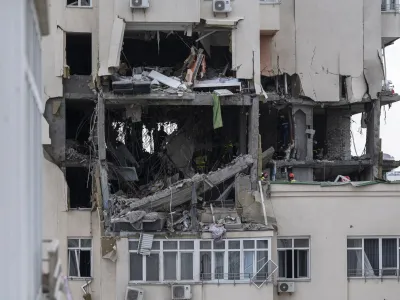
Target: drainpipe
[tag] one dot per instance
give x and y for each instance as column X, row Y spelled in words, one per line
column 384, row 62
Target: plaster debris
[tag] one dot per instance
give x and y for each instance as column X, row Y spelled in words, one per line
column 217, row 231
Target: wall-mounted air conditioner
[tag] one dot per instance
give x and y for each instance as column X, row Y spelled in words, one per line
column 286, row 287
column 133, row 294
column 181, row 292
column 222, row 6
column 140, row 4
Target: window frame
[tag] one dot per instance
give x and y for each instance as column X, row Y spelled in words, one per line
column 79, row 248
column 293, row 248
column 380, row 249
column 197, row 260
column 79, row 4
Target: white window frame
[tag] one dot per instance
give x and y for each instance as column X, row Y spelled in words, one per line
column 270, row 2
column 381, row 269
column 79, row 248
column 293, row 248
column 80, row 4
column 196, row 260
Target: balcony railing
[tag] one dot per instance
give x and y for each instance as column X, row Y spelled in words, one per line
column 374, row 273
column 391, row 7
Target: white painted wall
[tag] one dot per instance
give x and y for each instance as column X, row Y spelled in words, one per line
column 328, row 215
column 322, row 39
column 269, row 18
column 70, row 19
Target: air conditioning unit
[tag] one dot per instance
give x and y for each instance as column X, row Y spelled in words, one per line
column 222, row 6
column 140, row 4
column 183, row 292
column 133, row 294
column 286, row 287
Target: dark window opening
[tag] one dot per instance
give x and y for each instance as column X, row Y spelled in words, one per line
column 342, row 86
column 319, row 142
column 80, row 187
column 77, row 126
column 79, row 53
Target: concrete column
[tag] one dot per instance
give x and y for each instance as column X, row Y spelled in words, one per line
column 338, row 134
column 253, row 140
column 303, row 131
column 242, row 130
column 373, row 146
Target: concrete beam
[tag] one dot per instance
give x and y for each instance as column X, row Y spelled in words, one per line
column 172, row 99
column 253, row 137
column 320, row 164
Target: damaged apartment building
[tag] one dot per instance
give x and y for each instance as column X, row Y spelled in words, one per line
column 172, row 124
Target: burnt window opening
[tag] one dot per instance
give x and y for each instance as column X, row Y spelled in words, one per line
column 319, row 142
column 79, row 53
column 168, row 50
column 343, row 86
column 80, row 187
column 77, row 125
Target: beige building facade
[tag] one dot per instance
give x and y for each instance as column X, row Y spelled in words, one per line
column 128, row 130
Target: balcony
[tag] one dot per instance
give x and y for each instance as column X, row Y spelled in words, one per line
column 269, row 16
column 390, row 21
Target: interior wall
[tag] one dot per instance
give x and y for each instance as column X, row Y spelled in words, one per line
column 265, row 55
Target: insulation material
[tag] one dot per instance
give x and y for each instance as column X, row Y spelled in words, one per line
column 59, row 52
column 356, row 88
column 373, row 69
column 117, row 37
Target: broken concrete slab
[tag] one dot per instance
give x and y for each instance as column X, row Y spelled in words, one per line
column 180, row 148
column 267, row 156
column 181, row 192
column 166, row 80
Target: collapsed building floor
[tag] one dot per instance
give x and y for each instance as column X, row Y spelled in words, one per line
column 173, row 141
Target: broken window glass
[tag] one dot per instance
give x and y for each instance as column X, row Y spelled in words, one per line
column 262, row 268
column 170, row 265
column 79, row 258
column 153, row 267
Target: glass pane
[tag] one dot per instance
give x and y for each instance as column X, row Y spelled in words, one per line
column 262, row 268
column 152, row 267
column 219, row 245
column 219, row 265
column 73, row 263
column 284, row 243
column 389, row 257
column 170, row 265
column 85, row 2
column 136, row 266
column 282, row 263
column 302, row 243
column 302, row 263
column 205, row 244
column 73, row 243
column 133, row 245
column 354, row 243
column 234, row 265
column 170, row 245
column 234, row 245
column 186, row 245
column 354, row 263
column 248, row 264
column 155, row 245
column 205, row 265
column 85, row 263
column 263, row 244
column 86, row 243
column 248, row 244
column 186, row 266
column 371, row 258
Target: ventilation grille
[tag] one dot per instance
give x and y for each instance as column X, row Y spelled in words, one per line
column 137, row 3
column 132, row 295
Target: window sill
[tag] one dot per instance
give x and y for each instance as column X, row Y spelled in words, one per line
column 135, row 283
column 84, row 7
column 375, row 278
column 294, row 279
column 80, row 278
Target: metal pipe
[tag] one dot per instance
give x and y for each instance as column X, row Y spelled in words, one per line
column 384, row 63
column 285, row 80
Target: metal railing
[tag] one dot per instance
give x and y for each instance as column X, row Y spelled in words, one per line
column 236, row 277
column 374, row 273
column 391, row 7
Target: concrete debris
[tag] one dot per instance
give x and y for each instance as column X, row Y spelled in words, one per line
column 173, row 83
column 180, row 149
column 128, row 173
column 217, row 231
column 181, row 191
column 267, row 156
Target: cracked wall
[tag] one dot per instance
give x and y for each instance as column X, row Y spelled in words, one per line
column 320, row 40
